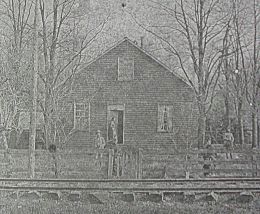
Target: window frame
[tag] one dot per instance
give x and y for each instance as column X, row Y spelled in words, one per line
column 76, row 117
column 118, row 69
column 170, row 130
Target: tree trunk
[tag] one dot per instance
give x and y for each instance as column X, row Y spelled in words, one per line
column 49, row 93
column 33, row 110
column 258, row 133
column 47, row 129
column 254, row 130
column 240, row 124
column 227, row 113
column 255, row 81
column 201, row 126
column 227, row 97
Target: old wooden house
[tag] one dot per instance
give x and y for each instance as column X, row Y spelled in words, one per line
column 149, row 104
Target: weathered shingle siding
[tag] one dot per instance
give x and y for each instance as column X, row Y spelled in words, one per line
column 152, row 84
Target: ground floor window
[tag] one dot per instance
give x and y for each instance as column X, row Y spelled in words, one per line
column 164, row 123
column 80, row 116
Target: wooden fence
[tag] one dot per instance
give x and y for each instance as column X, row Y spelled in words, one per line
column 125, row 162
column 92, row 163
column 200, row 163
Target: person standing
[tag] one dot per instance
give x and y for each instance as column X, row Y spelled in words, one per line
column 99, row 143
column 228, row 143
column 112, row 131
column 209, row 159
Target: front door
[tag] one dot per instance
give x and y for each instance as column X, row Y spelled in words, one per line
column 115, row 125
column 120, row 126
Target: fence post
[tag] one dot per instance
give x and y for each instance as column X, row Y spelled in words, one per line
column 187, row 170
column 131, row 161
column 123, row 163
column 254, row 165
column 136, row 164
column 110, row 162
column 140, row 163
column 117, row 164
column 7, row 159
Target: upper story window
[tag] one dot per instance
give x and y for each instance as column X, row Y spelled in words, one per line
column 125, row 68
column 164, row 118
column 80, row 115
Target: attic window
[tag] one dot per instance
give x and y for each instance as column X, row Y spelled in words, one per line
column 125, row 68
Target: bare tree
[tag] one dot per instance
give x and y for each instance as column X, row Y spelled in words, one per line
column 234, row 80
column 253, row 94
column 227, row 80
column 194, row 34
column 241, row 67
column 66, row 34
column 15, row 54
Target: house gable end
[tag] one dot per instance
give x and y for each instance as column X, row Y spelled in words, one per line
column 119, row 49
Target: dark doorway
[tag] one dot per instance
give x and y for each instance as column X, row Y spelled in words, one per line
column 116, row 120
column 120, row 127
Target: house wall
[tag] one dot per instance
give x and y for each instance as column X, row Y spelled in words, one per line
column 152, row 85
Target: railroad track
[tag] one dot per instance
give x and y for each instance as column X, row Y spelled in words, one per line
column 220, row 185
column 136, row 189
column 178, row 180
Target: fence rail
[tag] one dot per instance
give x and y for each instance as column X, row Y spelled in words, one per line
column 125, row 162
column 200, row 163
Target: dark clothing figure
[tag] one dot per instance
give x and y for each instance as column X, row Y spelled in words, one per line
column 209, row 156
column 99, row 141
column 53, row 149
column 112, row 133
column 228, row 143
column 206, row 168
column 100, row 144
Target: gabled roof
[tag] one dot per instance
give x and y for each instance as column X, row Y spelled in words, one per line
column 143, row 51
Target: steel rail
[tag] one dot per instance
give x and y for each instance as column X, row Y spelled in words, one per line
column 134, row 189
column 179, row 180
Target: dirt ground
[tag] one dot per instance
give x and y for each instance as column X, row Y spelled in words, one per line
column 115, row 207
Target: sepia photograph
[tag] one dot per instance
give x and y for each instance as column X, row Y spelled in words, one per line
column 129, row 106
